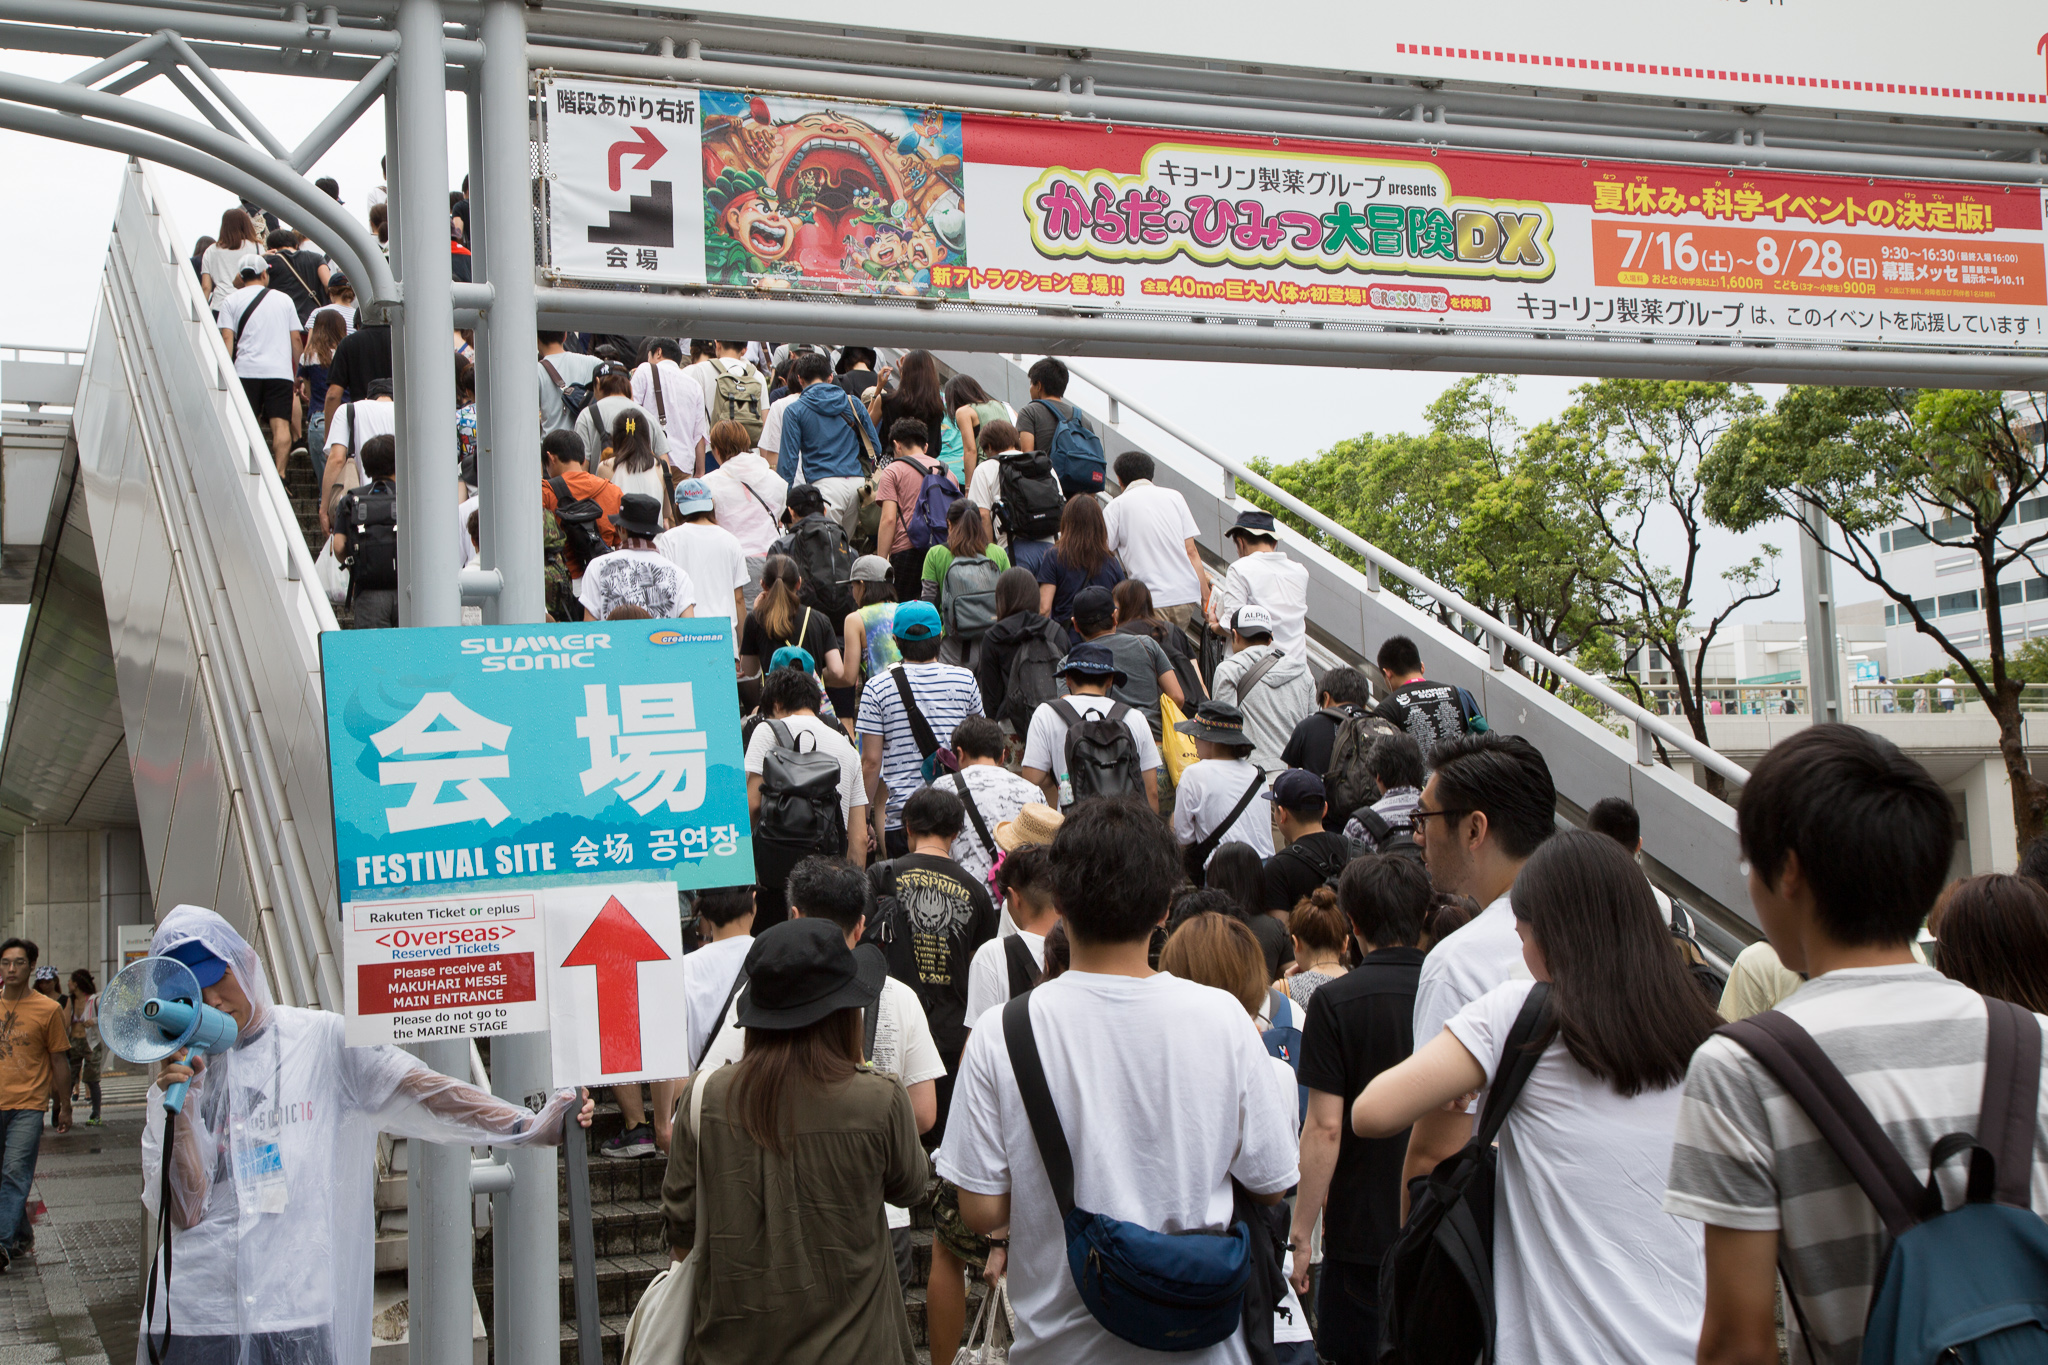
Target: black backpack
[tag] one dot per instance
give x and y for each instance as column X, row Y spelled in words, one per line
column 579, row 518
column 1319, row 864
column 1030, row 682
column 825, row 558
column 1348, row 781
column 1381, row 837
column 800, row 796
column 372, row 538
column 1028, row 501
column 1102, row 758
column 1436, row 1283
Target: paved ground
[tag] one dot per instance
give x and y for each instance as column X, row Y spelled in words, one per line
column 74, row 1299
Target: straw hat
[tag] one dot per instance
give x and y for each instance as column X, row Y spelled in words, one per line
column 1035, row 824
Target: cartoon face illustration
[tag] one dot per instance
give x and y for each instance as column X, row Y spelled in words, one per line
column 759, row 226
column 890, row 248
column 926, row 250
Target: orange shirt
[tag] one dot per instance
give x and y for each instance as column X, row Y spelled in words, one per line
column 584, row 484
column 31, row 1029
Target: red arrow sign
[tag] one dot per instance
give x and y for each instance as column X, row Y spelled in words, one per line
column 616, row 945
column 648, row 149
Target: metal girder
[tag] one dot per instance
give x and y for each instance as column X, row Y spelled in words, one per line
column 1171, row 338
column 76, row 42
column 309, row 35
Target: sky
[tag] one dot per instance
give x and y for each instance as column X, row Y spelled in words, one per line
column 62, row 199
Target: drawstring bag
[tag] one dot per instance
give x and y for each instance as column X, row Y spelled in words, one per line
column 995, row 1327
column 1176, row 750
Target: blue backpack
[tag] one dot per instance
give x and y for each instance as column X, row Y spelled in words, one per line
column 1968, row 1284
column 926, row 523
column 1076, row 452
column 1283, row 1040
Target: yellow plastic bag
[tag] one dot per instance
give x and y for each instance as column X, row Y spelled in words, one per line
column 1176, row 750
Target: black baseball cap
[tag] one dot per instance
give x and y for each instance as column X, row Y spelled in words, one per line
column 801, row 970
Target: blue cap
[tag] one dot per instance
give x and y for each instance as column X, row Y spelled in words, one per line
column 205, row 966
column 916, row 621
column 789, row 656
column 693, row 496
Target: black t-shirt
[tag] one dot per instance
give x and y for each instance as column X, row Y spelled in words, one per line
column 1309, row 747
column 1274, row 942
column 1358, row 1026
column 858, row 382
column 1430, row 712
column 296, row 275
column 814, row 636
column 363, row 356
column 939, row 916
column 1300, row 868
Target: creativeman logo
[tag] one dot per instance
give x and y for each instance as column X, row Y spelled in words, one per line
column 666, row 637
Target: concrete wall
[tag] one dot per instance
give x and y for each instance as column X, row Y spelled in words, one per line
column 70, row 889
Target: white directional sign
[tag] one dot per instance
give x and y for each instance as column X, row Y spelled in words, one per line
column 624, row 193
column 615, row 983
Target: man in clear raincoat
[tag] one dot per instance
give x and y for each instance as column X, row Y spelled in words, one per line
column 272, row 1171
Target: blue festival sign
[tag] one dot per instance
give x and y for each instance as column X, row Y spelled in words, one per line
column 472, row 757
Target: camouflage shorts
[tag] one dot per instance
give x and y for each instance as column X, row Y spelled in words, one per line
column 968, row 1247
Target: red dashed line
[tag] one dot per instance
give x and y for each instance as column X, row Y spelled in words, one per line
column 1746, row 77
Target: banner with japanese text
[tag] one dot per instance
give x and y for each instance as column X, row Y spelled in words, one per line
column 803, row 194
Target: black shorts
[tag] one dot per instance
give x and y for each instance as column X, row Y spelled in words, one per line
column 269, row 399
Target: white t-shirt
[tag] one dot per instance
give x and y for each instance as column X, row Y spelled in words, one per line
column 346, row 312
column 716, row 564
column 1629, row 1284
column 830, row 739
column 219, row 262
column 265, row 348
column 1208, row 789
column 355, row 423
column 708, row 975
column 1149, row 528
column 642, row 577
column 675, row 407
column 998, row 794
column 988, row 975
column 705, row 376
column 1174, row 1095
column 771, row 424
column 1275, row 582
column 985, row 489
column 1045, row 742
column 1469, row 962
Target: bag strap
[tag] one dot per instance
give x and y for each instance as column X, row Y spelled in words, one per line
column 1209, row 843
column 1790, row 1054
column 1022, row 968
column 757, row 496
column 974, row 813
column 235, row 346
column 560, row 486
column 869, row 456
column 1282, row 1013
column 1053, row 1151
column 1518, row 1059
column 786, row 740
column 872, row 1021
column 1251, row 676
column 1374, row 824
column 1313, row 862
column 560, row 387
column 2012, row 1094
column 739, row 980
column 920, row 728
column 660, row 403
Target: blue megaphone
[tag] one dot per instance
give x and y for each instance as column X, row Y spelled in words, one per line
column 152, row 1011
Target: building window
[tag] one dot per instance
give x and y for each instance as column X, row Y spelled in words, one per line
column 1954, row 564
column 2033, row 509
column 1891, row 616
column 2009, row 593
column 1956, row 603
column 1951, row 528
column 1925, row 605
column 2037, row 588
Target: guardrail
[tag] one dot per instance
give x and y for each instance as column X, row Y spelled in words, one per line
column 1956, row 697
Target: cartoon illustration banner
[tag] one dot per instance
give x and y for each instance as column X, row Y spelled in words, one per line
column 473, row 760
column 802, row 194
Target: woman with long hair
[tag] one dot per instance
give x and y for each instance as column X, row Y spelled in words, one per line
column 917, row 392
column 218, row 268
column 1018, row 620
column 1320, row 934
column 84, row 1018
column 630, row 461
column 972, row 408
column 1586, row 1263
column 328, row 330
column 789, row 1155
column 780, row 619
column 1239, row 872
column 966, row 538
column 1991, row 934
column 1080, row 559
column 1135, row 615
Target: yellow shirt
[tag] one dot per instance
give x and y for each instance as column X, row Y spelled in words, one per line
column 31, row 1029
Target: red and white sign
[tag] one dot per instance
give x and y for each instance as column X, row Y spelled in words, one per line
column 443, row 967
column 615, row 983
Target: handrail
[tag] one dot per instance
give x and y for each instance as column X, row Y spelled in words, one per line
column 1490, row 626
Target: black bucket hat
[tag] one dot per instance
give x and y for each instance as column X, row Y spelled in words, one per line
column 801, row 970
column 1216, row 721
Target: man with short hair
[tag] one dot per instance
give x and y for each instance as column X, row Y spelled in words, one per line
column 792, row 696
column 1038, row 419
column 561, row 456
column 699, row 371
column 658, row 387
column 366, row 538
column 361, row 422
column 1154, row 534
column 1114, row 869
column 1147, row 672
column 1222, row 779
column 1617, row 819
column 1396, row 766
column 1434, row 713
column 929, row 918
column 1261, row 678
column 825, row 438
column 35, row 1068
column 729, row 361
column 637, row 573
column 710, row 555
column 558, row 368
column 896, row 490
column 1089, row 672
column 944, row 695
column 1487, row 807
column 987, row 788
column 1264, row 577
column 296, row 272
column 261, row 329
column 725, row 916
column 1848, row 843
column 1309, row 855
column 1342, row 694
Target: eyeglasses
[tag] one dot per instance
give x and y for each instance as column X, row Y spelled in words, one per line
column 1419, row 814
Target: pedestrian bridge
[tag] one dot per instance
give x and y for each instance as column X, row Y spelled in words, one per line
column 169, row 693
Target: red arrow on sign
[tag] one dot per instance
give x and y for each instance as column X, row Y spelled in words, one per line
column 648, row 149
column 616, row 945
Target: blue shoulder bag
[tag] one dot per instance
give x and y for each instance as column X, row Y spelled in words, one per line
column 1164, row 1291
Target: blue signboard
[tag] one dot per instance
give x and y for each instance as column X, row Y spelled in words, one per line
column 471, row 757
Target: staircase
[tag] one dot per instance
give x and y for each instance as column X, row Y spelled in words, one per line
column 625, row 1213
column 302, row 485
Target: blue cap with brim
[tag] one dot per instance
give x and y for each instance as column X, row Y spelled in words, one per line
column 205, row 966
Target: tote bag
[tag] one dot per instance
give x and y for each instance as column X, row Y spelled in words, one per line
column 659, row 1332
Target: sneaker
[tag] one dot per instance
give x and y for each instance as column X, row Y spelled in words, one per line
column 95, row 1122
column 633, row 1142
column 4, row 1259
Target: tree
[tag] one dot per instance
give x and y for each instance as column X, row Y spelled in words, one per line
column 1464, row 506
column 1952, row 464
column 1628, row 453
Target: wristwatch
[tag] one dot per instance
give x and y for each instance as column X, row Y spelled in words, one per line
column 997, row 1241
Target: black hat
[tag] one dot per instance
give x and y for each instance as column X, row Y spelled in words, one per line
column 1256, row 525
column 801, row 970
column 1093, row 661
column 639, row 515
column 1216, row 721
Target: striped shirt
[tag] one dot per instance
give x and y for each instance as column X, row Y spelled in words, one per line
column 1745, row 1156
column 946, row 694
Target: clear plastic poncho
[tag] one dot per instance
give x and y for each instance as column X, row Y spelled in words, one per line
column 273, row 1173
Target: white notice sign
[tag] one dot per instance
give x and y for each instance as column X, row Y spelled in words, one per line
column 443, row 967
column 615, row 983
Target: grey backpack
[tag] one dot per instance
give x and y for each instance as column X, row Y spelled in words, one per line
column 967, row 597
